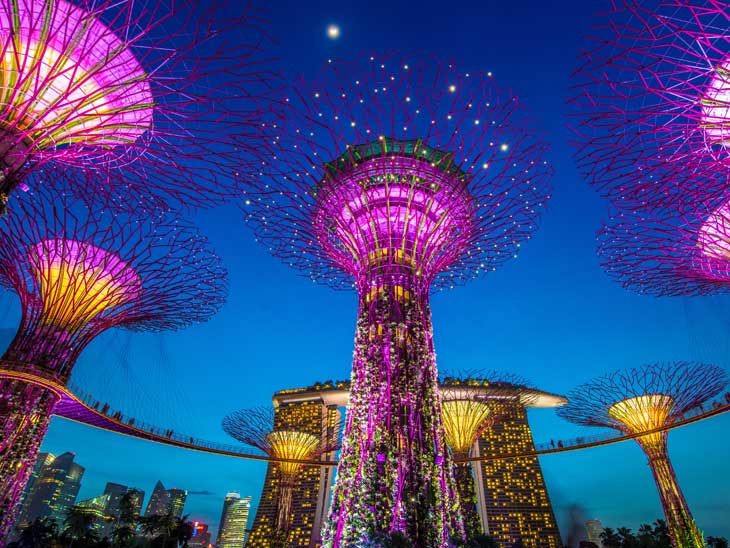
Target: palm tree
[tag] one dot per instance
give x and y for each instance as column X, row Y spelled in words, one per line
column 610, row 539
column 182, row 532
column 78, row 524
column 39, row 532
column 628, row 540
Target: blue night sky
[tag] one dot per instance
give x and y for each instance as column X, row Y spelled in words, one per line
column 550, row 315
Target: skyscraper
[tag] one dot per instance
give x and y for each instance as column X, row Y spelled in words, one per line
column 115, row 492
column 54, row 490
column 234, row 519
column 176, row 501
column 315, row 411
column 137, row 499
column 159, row 501
column 594, row 527
column 511, row 493
column 44, row 459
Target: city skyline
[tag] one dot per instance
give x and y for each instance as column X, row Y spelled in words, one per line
column 65, row 477
column 567, row 322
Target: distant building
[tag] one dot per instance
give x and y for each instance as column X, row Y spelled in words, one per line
column 176, row 501
column 166, row 501
column 54, row 490
column 115, row 492
column 201, row 535
column 137, row 499
column 44, row 459
column 96, row 506
column 234, row 520
column 159, row 501
column 594, row 527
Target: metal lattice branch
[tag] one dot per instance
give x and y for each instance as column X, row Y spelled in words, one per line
column 79, row 272
column 413, row 122
column 255, row 427
column 668, row 254
column 685, row 385
column 651, row 110
column 160, row 101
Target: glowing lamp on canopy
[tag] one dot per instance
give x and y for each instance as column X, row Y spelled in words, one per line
column 294, row 446
column 463, row 422
column 78, row 281
column 643, row 413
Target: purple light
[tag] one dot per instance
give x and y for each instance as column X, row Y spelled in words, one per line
column 69, row 66
column 388, row 185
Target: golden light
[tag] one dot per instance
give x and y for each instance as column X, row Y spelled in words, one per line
column 463, row 420
column 642, row 413
column 78, row 281
column 333, row 32
column 287, row 444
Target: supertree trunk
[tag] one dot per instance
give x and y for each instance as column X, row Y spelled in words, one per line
column 467, row 499
column 395, row 470
column 682, row 528
column 25, row 412
column 283, row 514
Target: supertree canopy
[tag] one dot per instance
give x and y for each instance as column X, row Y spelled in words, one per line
column 645, row 399
column 395, row 176
column 280, row 439
column 79, row 272
column 468, row 407
column 667, row 253
column 652, row 106
column 153, row 91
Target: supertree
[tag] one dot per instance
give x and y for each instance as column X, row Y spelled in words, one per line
column 468, row 408
column 652, row 104
column 79, row 272
column 666, row 253
column 280, row 439
column 644, row 399
column 158, row 100
column 396, row 176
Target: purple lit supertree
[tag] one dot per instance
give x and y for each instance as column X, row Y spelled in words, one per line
column 396, row 176
column 666, row 253
column 78, row 273
column 468, row 407
column 646, row 399
column 158, row 100
column 652, row 106
column 280, row 438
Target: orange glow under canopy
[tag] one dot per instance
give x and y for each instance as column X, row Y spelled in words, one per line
column 642, row 413
column 292, row 445
column 463, row 420
column 78, row 281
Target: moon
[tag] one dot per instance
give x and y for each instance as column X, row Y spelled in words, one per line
column 333, row 32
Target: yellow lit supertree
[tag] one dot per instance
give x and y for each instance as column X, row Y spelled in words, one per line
column 289, row 445
column 470, row 405
column 646, row 399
